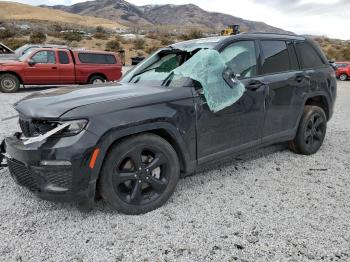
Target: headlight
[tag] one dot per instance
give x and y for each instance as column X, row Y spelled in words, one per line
column 74, row 128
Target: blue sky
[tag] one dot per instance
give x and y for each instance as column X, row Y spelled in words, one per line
column 318, row 17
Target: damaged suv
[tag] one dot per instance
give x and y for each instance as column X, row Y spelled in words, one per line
column 185, row 106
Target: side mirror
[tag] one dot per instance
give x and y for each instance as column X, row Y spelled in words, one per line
column 230, row 77
column 31, row 62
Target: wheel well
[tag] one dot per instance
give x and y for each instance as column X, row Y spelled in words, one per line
column 319, row 101
column 97, row 74
column 13, row 73
column 161, row 133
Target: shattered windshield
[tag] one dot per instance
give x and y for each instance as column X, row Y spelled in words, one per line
column 199, row 68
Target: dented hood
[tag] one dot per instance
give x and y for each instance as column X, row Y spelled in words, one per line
column 53, row 104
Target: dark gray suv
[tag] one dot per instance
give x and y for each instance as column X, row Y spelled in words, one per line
column 186, row 105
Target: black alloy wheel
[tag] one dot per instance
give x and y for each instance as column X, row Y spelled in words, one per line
column 140, row 174
column 311, row 132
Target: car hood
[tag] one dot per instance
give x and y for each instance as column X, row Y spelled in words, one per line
column 53, row 104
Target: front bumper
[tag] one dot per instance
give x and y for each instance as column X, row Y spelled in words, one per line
column 56, row 170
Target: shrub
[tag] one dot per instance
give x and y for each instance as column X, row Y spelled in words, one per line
column 139, row 43
column 113, row 45
column 166, row 41
column 151, row 49
column 37, row 37
column 7, row 33
column 72, row 36
column 14, row 43
column 193, row 34
column 99, row 35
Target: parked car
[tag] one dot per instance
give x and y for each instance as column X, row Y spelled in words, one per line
column 343, row 70
column 55, row 66
column 185, row 106
column 14, row 55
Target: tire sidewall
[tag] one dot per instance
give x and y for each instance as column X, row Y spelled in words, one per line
column 11, row 78
column 300, row 143
column 96, row 78
column 344, row 76
column 106, row 185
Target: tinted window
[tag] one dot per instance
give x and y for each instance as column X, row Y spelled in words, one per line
column 241, row 57
column 63, row 57
column 44, row 57
column 294, row 65
column 275, row 57
column 308, row 55
column 97, row 58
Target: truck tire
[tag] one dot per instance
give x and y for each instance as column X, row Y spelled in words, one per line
column 343, row 77
column 9, row 83
column 97, row 80
column 139, row 174
column 311, row 132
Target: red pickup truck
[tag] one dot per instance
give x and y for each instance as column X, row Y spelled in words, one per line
column 57, row 66
column 343, row 70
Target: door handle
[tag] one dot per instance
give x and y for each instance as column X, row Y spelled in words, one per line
column 300, row 77
column 255, row 85
column 54, row 67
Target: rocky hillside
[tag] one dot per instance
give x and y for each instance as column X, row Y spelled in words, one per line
column 13, row 12
column 175, row 15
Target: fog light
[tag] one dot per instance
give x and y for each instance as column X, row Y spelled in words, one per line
column 55, row 163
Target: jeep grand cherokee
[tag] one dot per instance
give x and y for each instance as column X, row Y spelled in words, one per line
column 186, row 105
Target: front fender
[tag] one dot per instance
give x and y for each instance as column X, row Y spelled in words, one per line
column 111, row 137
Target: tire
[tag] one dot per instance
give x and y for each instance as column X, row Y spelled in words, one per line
column 9, row 83
column 139, row 174
column 97, row 80
column 311, row 132
column 343, row 77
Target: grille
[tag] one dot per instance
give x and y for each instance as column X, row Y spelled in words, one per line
column 22, row 175
column 60, row 177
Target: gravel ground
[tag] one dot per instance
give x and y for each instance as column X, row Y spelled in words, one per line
column 270, row 205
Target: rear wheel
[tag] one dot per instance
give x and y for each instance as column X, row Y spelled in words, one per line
column 97, row 80
column 343, row 77
column 9, row 83
column 311, row 132
column 139, row 174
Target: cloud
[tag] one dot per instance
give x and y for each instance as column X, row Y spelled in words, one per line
column 318, row 17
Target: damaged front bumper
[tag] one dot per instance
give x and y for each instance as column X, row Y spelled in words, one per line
column 55, row 171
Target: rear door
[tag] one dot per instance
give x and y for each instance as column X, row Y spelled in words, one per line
column 44, row 71
column 66, row 67
column 286, row 84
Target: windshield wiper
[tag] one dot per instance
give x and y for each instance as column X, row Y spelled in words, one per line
column 168, row 79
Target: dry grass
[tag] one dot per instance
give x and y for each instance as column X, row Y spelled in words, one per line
column 14, row 11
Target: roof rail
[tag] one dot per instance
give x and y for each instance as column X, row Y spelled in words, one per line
column 270, row 33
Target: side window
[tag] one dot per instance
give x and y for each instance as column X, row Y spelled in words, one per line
column 44, row 57
column 63, row 57
column 275, row 57
column 308, row 56
column 87, row 58
column 241, row 57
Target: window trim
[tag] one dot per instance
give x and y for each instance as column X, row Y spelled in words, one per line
column 257, row 54
column 262, row 57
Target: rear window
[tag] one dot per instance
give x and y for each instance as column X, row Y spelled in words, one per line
column 88, row 58
column 275, row 57
column 308, row 55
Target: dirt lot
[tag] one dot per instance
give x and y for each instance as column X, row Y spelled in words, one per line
column 270, row 205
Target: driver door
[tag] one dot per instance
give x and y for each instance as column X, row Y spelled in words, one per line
column 240, row 125
column 44, row 71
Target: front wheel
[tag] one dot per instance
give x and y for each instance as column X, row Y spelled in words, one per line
column 9, row 83
column 139, row 174
column 343, row 77
column 311, row 132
